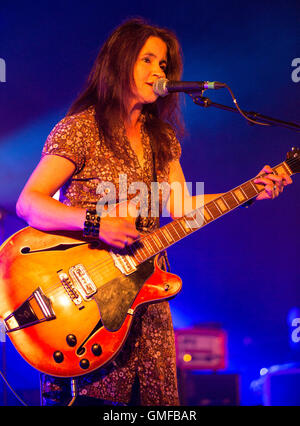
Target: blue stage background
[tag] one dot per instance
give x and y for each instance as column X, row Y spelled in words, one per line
column 241, row 271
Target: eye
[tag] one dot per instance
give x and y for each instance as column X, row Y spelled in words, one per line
column 147, row 60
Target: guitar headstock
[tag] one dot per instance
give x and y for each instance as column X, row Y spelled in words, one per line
column 293, row 160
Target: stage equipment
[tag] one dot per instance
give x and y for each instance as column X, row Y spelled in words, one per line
column 279, row 385
column 197, row 388
column 201, row 348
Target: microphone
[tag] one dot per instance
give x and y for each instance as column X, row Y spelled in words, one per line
column 163, row 86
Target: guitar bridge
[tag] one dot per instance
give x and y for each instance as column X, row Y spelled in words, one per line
column 36, row 309
column 78, row 284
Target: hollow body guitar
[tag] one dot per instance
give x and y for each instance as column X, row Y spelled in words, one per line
column 68, row 303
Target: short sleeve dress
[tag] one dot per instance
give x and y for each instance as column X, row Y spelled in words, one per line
column 149, row 352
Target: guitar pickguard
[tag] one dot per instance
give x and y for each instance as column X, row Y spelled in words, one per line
column 116, row 297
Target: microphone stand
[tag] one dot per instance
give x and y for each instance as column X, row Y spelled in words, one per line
column 205, row 102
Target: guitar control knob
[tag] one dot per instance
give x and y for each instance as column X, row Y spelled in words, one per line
column 84, row 364
column 96, row 349
column 71, row 340
column 58, row 356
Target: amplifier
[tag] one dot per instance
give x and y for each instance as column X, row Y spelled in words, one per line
column 200, row 348
column 198, row 388
column 281, row 387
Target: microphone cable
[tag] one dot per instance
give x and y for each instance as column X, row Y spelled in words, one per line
column 241, row 112
column 194, row 97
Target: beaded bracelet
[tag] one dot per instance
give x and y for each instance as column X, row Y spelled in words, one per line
column 91, row 224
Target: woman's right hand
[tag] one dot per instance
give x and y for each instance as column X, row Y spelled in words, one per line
column 117, row 231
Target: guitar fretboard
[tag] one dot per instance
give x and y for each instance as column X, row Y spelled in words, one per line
column 162, row 238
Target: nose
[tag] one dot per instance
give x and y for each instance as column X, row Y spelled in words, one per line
column 159, row 74
column 157, row 71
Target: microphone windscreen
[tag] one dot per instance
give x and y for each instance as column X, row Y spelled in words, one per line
column 160, row 87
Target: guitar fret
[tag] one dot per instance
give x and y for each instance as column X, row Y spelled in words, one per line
column 282, row 169
column 216, row 205
column 206, row 214
column 147, row 244
column 153, row 244
column 286, row 167
column 186, row 225
column 203, row 220
column 157, row 236
column 192, row 218
column 156, row 241
column 213, row 210
column 173, row 226
column 254, row 187
column 248, row 190
column 132, row 255
column 238, row 194
column 242, row 190
column 167, row 233
column 162, row 237
column 223, row 206
column 182, row 227
column 136, row 254
column 142, row 251
column 180, row 230
column 230, row 200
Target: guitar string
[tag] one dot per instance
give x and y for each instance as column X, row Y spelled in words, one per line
column 109, row 264
column 98, row 270
column 95, row 266
column 106, row 267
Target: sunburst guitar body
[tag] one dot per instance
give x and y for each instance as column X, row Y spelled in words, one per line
column 68, row 304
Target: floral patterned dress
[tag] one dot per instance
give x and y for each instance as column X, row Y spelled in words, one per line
column 148, row 356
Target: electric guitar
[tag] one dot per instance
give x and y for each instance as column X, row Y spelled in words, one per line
column 68, row 303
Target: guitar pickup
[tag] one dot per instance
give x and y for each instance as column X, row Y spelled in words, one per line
column 82, row 281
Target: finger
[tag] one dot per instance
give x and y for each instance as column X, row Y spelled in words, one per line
column 266, row 169
column 124, row 240
column 286, row 179
column 120, row 244
column 264, row 181
column 267, row 179
column 129, row 241
column 276, row 191
column 270, row 191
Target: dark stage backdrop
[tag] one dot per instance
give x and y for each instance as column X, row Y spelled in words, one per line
column 241, row 271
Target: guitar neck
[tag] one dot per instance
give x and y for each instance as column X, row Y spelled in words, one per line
column 162, row 238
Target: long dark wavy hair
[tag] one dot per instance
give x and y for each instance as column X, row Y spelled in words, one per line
column 108, row 86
